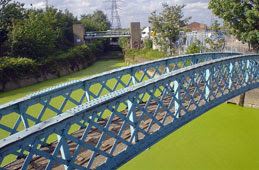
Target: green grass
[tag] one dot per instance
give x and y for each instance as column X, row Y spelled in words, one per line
column 145, row 53
column 225, row 138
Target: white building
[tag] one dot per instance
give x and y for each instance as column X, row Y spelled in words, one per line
column 146, row 33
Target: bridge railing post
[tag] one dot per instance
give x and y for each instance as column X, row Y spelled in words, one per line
column 207, row 84
column 86, row 89
column 230, row 70
column 194, row 60
column 167, row 69
column 22, row 110
column 132, row 118
column 247, row 71
column 177, row 97
column 132, row 111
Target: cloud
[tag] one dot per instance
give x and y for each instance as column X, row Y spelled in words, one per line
column 130, row 10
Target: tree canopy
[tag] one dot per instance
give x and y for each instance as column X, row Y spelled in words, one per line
column 168, row 24
column 40, row 34
column 9, row 13
column 241, row 18
column 97, row 21
column 33, row 37
column 216, row 43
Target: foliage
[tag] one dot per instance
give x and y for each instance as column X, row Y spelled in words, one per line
column 97, row 21
column 42, row 33
column 82, row 51
column 33, row 37
column 215, row 42
column 167, row 24
column 9, row 13
column 148, row 43
column 195, row 47
column 62, row 21
column 124, row 43
column 15, row 67
column 240, row 17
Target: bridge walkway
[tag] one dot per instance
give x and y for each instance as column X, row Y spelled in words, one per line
column 118, row 126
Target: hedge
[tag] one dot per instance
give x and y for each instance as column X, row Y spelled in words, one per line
column 15, row 68
column 11, row 68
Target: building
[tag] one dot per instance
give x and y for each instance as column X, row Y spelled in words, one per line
column 146, row 33
column 195, row 26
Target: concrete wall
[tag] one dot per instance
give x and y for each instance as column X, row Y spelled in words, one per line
column 251, row 99
column 135, row 33
column 79, row 33
column 43, row 75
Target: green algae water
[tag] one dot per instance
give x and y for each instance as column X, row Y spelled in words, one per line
column 98, row 67
column 224, row 138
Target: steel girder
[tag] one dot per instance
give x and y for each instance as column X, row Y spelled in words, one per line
column 41, row 105
column 118, row 126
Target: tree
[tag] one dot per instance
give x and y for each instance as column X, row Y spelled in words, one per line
column 97, row 21
column 195, row 47
column 10, row 12
column 215, row 42
column 63, row 22
column 33, row 37
column 241, row 18
column 168, row 24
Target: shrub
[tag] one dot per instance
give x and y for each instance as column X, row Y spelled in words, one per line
column 148, row 43
column 13, row 68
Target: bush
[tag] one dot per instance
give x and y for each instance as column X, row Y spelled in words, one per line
column 148, row 43
column 123, row 43
column 13, row 68
column 195, row 47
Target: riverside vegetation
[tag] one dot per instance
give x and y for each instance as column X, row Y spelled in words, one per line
column 36, row 42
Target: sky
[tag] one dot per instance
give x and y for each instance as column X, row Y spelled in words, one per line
column 129, row 10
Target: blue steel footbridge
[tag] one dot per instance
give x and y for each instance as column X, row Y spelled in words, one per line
column 103, row 121
column 106, row 34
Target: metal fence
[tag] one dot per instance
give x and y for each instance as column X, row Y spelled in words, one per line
column 40, row 106
column 115, row 127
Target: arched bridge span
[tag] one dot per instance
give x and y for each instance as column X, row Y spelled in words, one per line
column 118, row 126
column 41, row 105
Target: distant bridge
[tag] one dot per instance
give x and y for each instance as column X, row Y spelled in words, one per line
column 106, row 34
column 103, row 121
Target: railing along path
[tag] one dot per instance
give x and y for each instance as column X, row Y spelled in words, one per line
column 116, row 127
column 40, row 106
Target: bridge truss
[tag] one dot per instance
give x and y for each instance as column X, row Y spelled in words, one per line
column 110, row 126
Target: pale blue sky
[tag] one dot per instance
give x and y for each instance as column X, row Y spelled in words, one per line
column 130, row 10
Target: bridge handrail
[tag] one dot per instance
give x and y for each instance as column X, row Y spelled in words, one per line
column 110, row 97
column 246, row 68
column 47, row 91
column 21, row 105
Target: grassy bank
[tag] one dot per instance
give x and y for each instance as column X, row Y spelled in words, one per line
column 148, row 54
column 225, row 138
